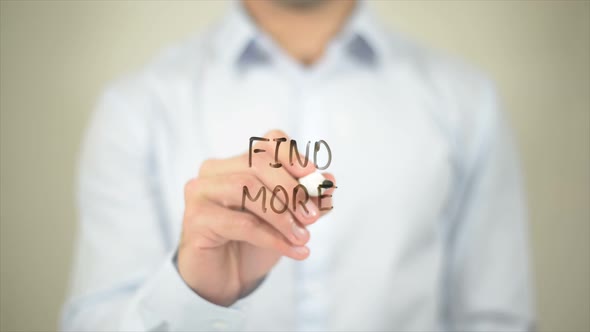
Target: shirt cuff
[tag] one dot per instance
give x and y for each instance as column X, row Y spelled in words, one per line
column 169, row 303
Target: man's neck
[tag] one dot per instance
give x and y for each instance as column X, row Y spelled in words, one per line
column 302, row 32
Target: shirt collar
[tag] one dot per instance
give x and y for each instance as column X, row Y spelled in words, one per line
column 240, row 41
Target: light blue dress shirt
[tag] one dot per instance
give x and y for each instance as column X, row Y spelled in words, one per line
column 428, row 228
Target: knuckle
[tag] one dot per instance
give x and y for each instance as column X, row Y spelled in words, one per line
column 245, row 224
column 190, row 215
column 191, row 187
column 261, row 163
column 274, row 133
column 246, row 180
column 276, row 242
column 207, row 166
column 189, row 222
column 193, row 216
column 255, row 166
column 288, row 222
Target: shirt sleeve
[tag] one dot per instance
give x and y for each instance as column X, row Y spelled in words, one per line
column 487, row 279
column 123, row 276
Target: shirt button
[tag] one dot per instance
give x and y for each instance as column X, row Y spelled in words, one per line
column 219, row 325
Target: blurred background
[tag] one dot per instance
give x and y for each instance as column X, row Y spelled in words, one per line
column 57, row 56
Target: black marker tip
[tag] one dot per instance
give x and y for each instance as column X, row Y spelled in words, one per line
column 326, row 184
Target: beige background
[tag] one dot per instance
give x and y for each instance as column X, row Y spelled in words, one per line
column 57, row 56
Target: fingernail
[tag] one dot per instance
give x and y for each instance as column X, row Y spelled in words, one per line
column 299, row 232
column 301, row 250
column 312, row 210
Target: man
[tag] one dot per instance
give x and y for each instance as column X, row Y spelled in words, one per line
column 427, row 231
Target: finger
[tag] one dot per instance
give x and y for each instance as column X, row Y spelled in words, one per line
column 300, row 203
column 285, row 153
column 286, row 157
column 242, row 226
column 213, row 167
column 243, row 191
column 303, row 208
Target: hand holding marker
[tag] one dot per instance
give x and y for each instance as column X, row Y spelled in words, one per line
column 225, row 251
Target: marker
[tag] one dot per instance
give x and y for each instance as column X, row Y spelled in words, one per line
column 314, row 180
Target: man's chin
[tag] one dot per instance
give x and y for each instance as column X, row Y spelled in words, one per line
column 300, row 4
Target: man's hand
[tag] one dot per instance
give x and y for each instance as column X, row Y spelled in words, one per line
column 225, row 251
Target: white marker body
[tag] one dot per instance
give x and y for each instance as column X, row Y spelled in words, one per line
column 311, row 183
